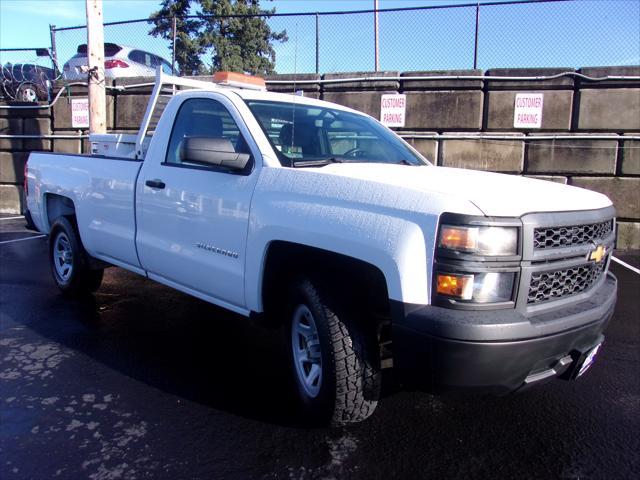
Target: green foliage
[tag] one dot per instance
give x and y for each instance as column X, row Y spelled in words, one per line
column 229, row 30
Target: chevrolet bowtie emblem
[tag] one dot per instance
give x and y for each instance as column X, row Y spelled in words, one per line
column 598, row 254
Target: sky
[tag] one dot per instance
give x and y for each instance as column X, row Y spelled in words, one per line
column 571, row 34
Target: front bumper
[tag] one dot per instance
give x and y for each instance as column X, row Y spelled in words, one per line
column 497, row 351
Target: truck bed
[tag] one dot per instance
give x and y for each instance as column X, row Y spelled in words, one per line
column 102, row 189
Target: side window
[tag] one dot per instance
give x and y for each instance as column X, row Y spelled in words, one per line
column 203, row 117
column 136, row 56
column 166, row 67
column 141, row 57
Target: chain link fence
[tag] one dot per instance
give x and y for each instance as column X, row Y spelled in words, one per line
column 515, row 34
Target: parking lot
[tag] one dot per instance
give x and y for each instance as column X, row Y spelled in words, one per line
column 140, row 381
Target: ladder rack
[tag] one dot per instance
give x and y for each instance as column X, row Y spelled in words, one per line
column 162, row 80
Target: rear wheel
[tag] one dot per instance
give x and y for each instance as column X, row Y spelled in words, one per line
column 69, row 261
column 335, row 365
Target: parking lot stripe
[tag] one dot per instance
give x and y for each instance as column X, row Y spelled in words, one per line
column 22, row 239
column 12, row 218
column 625, row 264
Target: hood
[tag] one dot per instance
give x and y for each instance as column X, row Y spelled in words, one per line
column 495, row 194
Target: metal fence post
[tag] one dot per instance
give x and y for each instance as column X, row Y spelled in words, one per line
column 54, row 51
column 475, row 46
column 317, row 43
column 173, row 45
column 375, row 34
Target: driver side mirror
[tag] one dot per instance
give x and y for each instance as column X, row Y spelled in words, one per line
column 212, row 151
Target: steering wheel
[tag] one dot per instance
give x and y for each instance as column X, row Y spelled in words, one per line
column 355, row 153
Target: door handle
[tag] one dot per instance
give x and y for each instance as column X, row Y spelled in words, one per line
column 159, row 184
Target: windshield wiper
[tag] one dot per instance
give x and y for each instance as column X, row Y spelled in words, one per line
column 321, row 162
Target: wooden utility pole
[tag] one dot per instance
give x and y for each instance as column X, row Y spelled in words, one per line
column 95, row 55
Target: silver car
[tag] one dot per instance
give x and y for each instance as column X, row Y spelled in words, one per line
column 120, row 61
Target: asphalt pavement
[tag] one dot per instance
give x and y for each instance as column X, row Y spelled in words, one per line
column 141, row 381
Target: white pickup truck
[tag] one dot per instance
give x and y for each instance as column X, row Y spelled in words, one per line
column 315, row 218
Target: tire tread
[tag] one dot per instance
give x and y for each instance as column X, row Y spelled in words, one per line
column 357, row 375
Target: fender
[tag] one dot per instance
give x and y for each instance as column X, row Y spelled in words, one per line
column 383, row 225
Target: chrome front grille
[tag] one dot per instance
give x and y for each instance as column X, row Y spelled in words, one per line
column 557, row 284
column 571, row 236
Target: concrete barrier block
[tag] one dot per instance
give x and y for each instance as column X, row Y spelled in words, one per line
column 420, row 85
column 72, row 91
column 631, row 156
column 62, row 113
column 556, row 110
column 147, row 82
column 571, row 156
column 549, row 178
column 609, row 109
column 496, row 155
column 559, row 83
column 444, row 110
column 11, row 126
column 623, row 192
column 314, row 95
column 292, row 85
column 11, row 200
column 391, row 84
column 78, row 90
column 37, row 126
column 628, row 236
column 427, row 147
column 615, row 71
column 130, row 110
column 31, row 112
column 12, row 167
column 367, row 102
column 67, row 145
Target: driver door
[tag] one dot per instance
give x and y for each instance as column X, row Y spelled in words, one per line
column 193, row 219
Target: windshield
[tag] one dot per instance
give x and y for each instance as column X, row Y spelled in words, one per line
column 309, row 135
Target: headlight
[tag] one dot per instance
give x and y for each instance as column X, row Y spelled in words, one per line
column 489, row 241
column 489, row 287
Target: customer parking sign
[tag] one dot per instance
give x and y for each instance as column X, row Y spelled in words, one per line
column 528, row 110
column 392, row 109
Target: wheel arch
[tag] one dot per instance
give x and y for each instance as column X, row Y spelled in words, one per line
column 58, row 206
column 286, row 260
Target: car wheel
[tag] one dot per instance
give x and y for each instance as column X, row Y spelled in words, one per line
column 334, row 363
column 69, row 261
column 27, row 92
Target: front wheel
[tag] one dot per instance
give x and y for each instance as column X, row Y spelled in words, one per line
column 69, row 261
column 335, row 365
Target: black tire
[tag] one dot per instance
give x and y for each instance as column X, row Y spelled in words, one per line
column 349, row 384
column 27, row 92
column 72, row 273
column 28, row 220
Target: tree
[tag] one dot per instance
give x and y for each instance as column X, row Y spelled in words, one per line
column 234, row 32
column 188, row 46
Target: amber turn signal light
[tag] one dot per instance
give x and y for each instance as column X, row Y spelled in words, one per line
column 460, row 286
column 458, row 238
